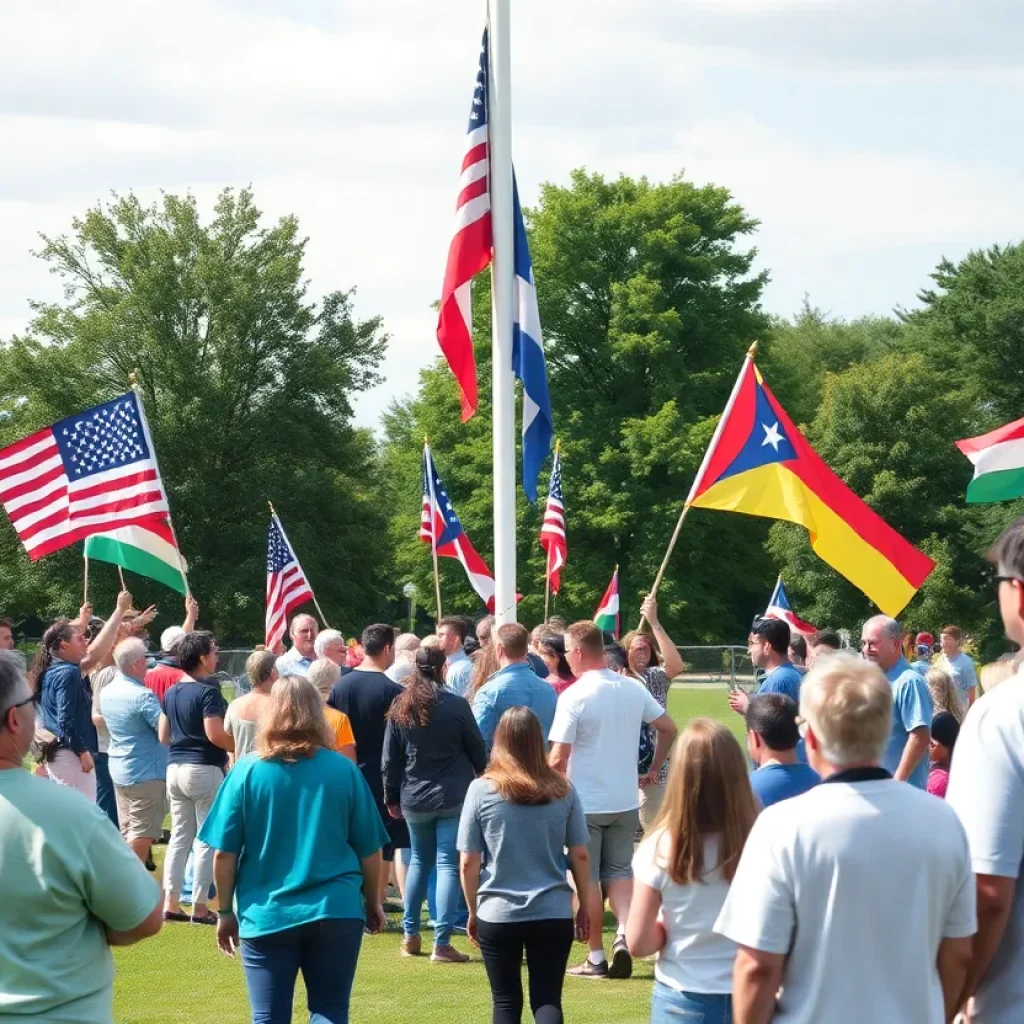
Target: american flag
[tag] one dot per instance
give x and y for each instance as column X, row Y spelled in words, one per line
column 440, row 527
column 86, row 474
column 470, row 249
column 552, row 532
column 469, row 253
column 287, row 586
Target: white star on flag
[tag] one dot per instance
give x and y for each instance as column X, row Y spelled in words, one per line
column 772, row 435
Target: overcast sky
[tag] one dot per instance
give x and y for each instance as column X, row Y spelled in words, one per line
column 870, row 138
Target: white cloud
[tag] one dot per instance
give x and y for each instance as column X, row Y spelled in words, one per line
column 350, row 115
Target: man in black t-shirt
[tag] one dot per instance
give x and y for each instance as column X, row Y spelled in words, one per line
column 365, row 694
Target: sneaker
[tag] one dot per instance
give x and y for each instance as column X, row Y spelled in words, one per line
column 411, row 945
column 448, row 955
column 622, row 962
column 589, row 970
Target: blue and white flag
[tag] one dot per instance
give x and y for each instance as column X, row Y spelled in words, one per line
column 528, row 358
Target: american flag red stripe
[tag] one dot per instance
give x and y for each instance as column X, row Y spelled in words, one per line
column 85, row 474
column 552, row 531
column 287, row 586
column 470, row 249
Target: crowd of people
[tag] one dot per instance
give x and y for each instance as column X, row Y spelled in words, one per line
column 858, row 861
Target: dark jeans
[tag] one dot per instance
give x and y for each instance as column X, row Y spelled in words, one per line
column 325, row 951
column 547, row 953
column 105, row 796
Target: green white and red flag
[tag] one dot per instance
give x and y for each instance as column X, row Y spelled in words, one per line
column 998, row 459
column 607, row 615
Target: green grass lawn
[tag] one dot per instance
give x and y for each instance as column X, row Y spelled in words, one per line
column 180, row 975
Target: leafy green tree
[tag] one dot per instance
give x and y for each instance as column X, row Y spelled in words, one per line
column 648, row 303
column 246, row 384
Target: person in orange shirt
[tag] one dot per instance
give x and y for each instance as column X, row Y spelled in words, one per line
column 323, row 674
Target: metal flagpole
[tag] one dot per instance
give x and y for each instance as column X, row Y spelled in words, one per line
column 433, row 525
column 697, row 480
column 280, row 526
column 499, row 126
column 133, row 380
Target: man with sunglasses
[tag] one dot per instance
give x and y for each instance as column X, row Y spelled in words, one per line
column 986, row 789
column 71, row 888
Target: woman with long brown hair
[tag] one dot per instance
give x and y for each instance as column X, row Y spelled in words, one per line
column 298, row 844
column 516, row 821
column 433, row 750
column 682, row 872
column 943, row 693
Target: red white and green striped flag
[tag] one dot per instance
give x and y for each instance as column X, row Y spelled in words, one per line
column 148, row 552
column 998, row 458
column 607, row 615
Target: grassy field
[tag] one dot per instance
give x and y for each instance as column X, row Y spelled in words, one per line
column 180, row 975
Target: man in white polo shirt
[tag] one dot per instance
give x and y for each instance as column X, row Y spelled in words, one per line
column 986, row 789
column 856, row 898
column 595, row 738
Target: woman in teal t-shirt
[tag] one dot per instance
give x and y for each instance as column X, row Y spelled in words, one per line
column 298, row 845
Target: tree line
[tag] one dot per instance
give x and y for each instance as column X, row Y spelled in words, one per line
column 648, row 301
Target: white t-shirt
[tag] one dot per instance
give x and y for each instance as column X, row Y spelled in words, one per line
column 600, row 715
column 858, row 883
column 986, row 789
column 695, row 958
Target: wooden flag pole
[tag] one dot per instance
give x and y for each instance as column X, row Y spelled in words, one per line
column 433, row 532
column 316, row 603
column 120, row 573
column 751, row 352
column 85, row 582
column 547, row 588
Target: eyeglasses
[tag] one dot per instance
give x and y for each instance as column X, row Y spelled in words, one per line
column 33, row 699
column 998, row 580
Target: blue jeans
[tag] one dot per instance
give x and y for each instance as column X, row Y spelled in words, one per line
column 325, row 951
column 433, row 838
column 669, row 1006
column 105, row 796
column 461, row 914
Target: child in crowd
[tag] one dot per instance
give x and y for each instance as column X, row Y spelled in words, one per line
column 945, row 729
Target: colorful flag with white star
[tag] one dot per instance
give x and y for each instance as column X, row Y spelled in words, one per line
column 760, row 464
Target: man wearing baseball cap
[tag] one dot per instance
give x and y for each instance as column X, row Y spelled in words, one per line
column 924, row 646
column 166, row 672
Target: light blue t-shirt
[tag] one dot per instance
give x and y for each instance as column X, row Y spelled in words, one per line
column 131, row 712
column 300, row 831
column 784, row 679
column 961, row 670
column 66, row 873
column 775, row 782
column 911, row 708
column 515, row 685
column 459, row 673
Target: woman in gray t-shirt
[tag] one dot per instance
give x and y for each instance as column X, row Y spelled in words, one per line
column 517, row 820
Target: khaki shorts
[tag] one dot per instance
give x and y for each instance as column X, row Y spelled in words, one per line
column 141, row 809
column 611, row 845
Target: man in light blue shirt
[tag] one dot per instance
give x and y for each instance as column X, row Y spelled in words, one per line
column 451, row 633
column 137, row 759
column 769, row 651
column 959, row 666
column 514, row 685
column 297, row 659
column 906, row 756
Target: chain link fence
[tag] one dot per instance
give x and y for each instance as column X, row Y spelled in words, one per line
column 715, row 664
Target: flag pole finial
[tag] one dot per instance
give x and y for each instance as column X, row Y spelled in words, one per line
column 752, row 351
column 133, row 379
column 558, row 445
column 271, row 504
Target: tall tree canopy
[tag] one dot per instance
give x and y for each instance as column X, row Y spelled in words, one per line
column 246, row 384
column 648, row 303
